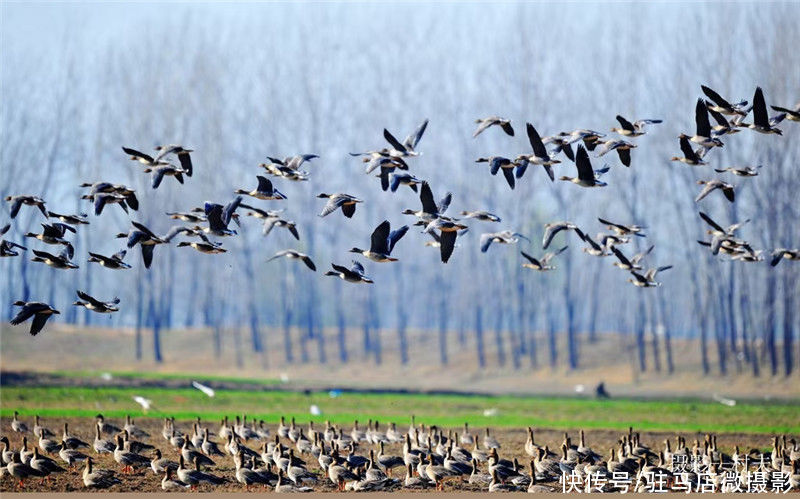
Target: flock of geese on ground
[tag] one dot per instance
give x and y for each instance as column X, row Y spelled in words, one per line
column 392, row 164
column 358, row 460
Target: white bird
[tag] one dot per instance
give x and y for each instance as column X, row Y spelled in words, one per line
column 314, row 410
column 145, row 403
column 203, row 388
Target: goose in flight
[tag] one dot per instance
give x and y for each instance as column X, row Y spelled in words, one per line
column 339, row 200
column 622, row 147
column 744, row 171
column 703, row 136
column 622, row 230
column 483, row 216
column 502, row 237
column 632, row 263
column 219, row 217
column 54, row 234
column 293, row 162
column 635, row 129
column 690, row 156
column 648, row 279
column 143, row 158
column 7, row 248
column 791, row 114
column 720, row 105
column 205, row 245
column 718, row 230
column 382, row 243
column 101, row 199
column 285, row 172
column 784, row 254
column 553, row 228
column 762, row 123
column 159, row 171
column 587, row 177
column 265, row 191
column 540, row 155
column 484, row 123
column 191, row 217
column 408, row 146
column 78, row 219
column 38, row 310
column 295, row 255
column 594, row 248
column 561, row 143
column 182, row 154
column 449, row 230
column 430, row 210
column 396, row 179
column 119, row 190
column 723, row 126
column 353, row 274
column 272, row 219
column 27, row 200
column 542, row 264
column 95, row 305
column 497, row 163
column 60, row 261
column 110, row 262
column 148, row 240
column 712, row 185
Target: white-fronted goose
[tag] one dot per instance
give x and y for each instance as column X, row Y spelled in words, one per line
column 690, row 156
column 98, row 479
column 40, row 313
column 720, row 105
column 182, row 154
column 448, row 232
column 353, row 274
column 622, row 147
column 102, row 193
column 594, row 248
column 483, row 216
column 543, row 263
column 779, row 254
column 168, row 483
column 635, row 129
column 53, row 234
column 205, row 245
column 295, row 255
column 70, row 456
column 160, row 171
column 703, row 135
column 396, row 179
column 17, row 425
column 27, row 200
column 502, row 237
column 648, row 280
column 430, row 209
column 339, row 200
column 791, row 114
column 382, row 243
column 484, row 123
column 147, row 239
column 632, row 263
column 265, row 190
column 712, row 185
column 498, row 163
column 540, row 155
column 723, row 126
column 762, row 123
column 587, row 177
column 43, row 464
column 95, row 305
column 219, row 217
column 745, row 171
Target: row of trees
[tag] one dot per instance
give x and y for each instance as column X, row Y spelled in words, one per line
column 239, row 83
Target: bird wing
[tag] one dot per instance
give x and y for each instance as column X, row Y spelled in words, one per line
column 230, row 209
column 186, row 162
column 711, row 222
column 144, row 229
column 396, row 235
column 506, row 126
column 348, row 209
column 174, row 231
column 583, row 164
column 531, row 259
column 484, row 124
column 447, row 243
column 393, row 141
column 621, row 257
column 706, row 190
column 715, row 97
column 444, row 203
column 701, row 119
column 486, row 241
column 15, row 206
column 426, row 197
column 624, row 156
column 120, row 255
column 309, row 263
column 264, row 184
column 331, row 206
column 357, row 268
column 380, row 238
column 760, row 117
column 138, row 154
column 39, row 320
column 158, row 176
column 147, row 255
column 627, row 125
column 23, row 315
column 90, row 299
column 536, row 142
column 508, row 173
column 686, row 149
column 413, row 139
column 721, row 121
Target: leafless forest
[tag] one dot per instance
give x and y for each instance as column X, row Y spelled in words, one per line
column 238, row 83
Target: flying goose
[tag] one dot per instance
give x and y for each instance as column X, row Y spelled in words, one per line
column 294, row 255
column 791, row 114
column 28, row 200
column 147, row 239
column 339, row 200
column 7, row 247
column 430, row 210
column 541, row 264
column 282, row 171
column 180, row 152
column 648, row 279
column 382, row 242
column 718, row 230
column 53, row 234
column 594, row 248
column 353, row 274
column 703, row 135
column 553, row 228
column 632, row 263
column 117, row 190
column 101, row 199
column 623, row 230
column 191, row 217
column 745, row 171
column 561, row 143
column 272, row 219
column 723, row 126
column 265, row 191
column 634, row 129
column 748, row 256
column 408, row 147
column 483, row 216
column 143, row 158
column 587, row 177
column 110, row 262
column 779, row 254
column 690, row 156
column 449, row 230
column 721, row 105
column 204, row 246
column 79, row 219
column 502, row 237
column 95, row 305
column 761, row 121
column 219, row 217
column 60, row 261
column 497, row 163
column 484, row 123
column 622, row 147
column 540, row 155
column 293, row 162
column 396, row 179
column 712, row 185
column 169, row 170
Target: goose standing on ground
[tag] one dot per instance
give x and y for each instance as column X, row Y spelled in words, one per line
column 761, row 121
column 586, row 175
column 635, row 129
column 27, row 200
column 98, row 479
column 38, row 310
column 502, row 237
column 690, row 156
column 21, row 471
column 543, row 263
column 110, row 262
column 17, row 425
column 71, row 441
column 498, row 163
column 712, row 185
column 265, row 191
column 183, row 156
column 746, row 171
column 40, row 430
column 353, row 274
column 295, row 255
column 430, row 209
column 44, row 464
column 703, row 135
column 540, row 155
column 721, row 105
column 484, row 123
column 95, row 305
column 102, row 445
column 70, row 456
column 382, row 242
column 168, row 483
column 339, row 200
column 448, row 232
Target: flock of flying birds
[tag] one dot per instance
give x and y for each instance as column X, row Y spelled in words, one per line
column 392, row 163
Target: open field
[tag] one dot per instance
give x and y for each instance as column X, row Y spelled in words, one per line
column 144, row 480
column 91, row 351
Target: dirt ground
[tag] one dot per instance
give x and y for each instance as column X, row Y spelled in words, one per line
column 144, row 480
